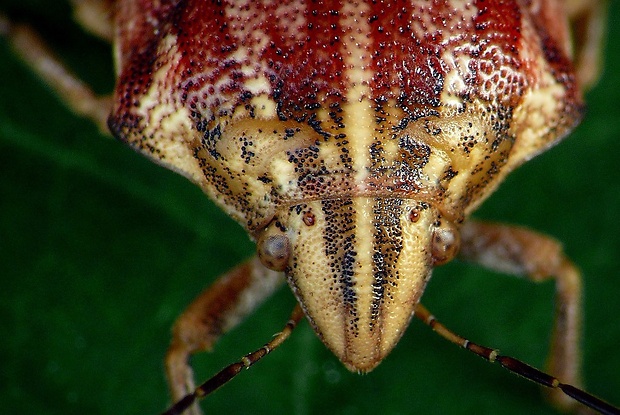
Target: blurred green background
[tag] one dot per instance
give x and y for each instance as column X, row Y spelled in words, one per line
column 100, row 250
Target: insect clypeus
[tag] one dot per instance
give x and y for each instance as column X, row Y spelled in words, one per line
column 343, row 179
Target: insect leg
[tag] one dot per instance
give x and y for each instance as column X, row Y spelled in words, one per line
column 517, row 366
column 587, row 19
column 519, row 251
column 35, row 53
column 95, row 16
column 217, row 310
column 232, row 370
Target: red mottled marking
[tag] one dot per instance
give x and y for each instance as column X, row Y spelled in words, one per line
column 405, row 64
column 309, row 71
column 302, row 69
column 497, row 35
column 552, row 32
column 303, row 59
column 138, row 34
column 136, row 24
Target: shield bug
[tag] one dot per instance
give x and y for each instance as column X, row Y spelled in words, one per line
column 354, row 178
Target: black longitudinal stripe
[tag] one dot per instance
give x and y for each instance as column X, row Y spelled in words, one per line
column 387, row 246
column 340, row 249
column 347, row 283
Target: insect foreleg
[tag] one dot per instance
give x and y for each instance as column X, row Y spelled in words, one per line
column 521, row 252
column 232, row 370
column 217, row 310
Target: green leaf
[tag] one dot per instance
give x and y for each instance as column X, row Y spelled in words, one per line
column 100, row 250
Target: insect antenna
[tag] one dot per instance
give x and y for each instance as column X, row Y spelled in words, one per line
column 232, row 370
column 515, row 365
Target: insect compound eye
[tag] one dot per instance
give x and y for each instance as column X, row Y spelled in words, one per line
column 274, row 248
column 445, row 243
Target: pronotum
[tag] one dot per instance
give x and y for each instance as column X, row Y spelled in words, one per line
column 428, row 127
